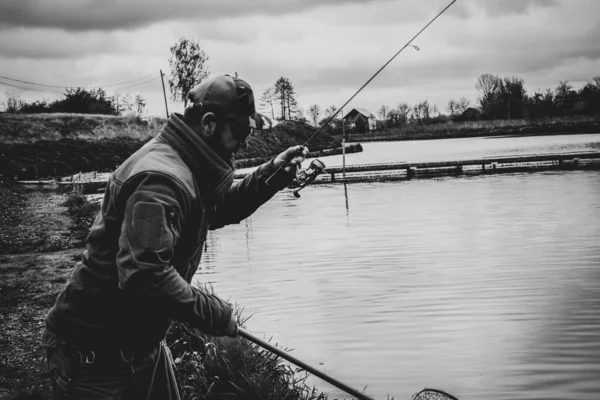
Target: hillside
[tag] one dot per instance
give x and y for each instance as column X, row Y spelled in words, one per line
column 42, row 146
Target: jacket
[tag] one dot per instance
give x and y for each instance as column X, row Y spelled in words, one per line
column 146, row 243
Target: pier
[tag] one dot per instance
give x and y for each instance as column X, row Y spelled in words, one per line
column 480, row 166
column 93, row 182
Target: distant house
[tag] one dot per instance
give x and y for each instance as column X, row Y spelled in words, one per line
column 470, row 114
column 365, row 116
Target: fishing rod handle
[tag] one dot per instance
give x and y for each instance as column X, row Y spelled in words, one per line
column 267, row 346
column 278, row 176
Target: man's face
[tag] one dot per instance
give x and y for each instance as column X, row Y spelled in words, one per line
column 229, row 137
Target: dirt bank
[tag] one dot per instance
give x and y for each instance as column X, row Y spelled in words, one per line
column 72, row 144
column 37, row 253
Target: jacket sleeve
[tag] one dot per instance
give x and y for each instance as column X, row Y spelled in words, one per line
column 247, row 195
column 153, row 217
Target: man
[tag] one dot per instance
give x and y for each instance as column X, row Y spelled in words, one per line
column 105, row 334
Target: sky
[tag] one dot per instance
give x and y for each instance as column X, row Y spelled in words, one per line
column 327, row 48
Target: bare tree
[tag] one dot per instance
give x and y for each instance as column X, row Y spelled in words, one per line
column 383, row 111
column 487, row 85
column 451, row 107
column 403, row 111
column 267, row 101
column 140, row 104
column 329, row 111
column 462, row 105
column 417, row 112
column 314, row 111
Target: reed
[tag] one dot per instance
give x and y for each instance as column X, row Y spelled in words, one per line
column 214, row 368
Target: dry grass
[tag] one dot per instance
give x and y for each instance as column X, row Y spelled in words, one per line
column 450, row 129
column 28, row 128
column 501, row 123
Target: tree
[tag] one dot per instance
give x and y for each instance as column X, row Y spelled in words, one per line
column 331, row 110
column 13, row 103
column 285, row 94
column 140, row 104
column 267, row 100
column 84, row 101
column 487, row 85
column 403, row 111
column 565, row 97
column 188, row 68
column 452, row 107
column 314, row 111
column 383, row 111
column 511, row 97
column 394, row 117
column 127, row 103
column 462, row 105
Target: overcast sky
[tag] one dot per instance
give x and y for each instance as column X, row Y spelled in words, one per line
column 327, row 48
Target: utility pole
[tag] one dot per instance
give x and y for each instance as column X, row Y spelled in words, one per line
column 343, row 146
column 164, row 92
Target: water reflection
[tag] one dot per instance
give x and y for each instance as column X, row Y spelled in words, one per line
column 486, row 287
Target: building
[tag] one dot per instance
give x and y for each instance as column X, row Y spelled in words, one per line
column 365, row 116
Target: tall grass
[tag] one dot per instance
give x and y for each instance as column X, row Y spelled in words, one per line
column 213, row 368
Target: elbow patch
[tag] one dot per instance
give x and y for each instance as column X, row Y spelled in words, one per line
column 149, row 225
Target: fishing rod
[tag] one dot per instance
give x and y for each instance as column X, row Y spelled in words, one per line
column 425, row 394
column 281, row 167
column 304, row 366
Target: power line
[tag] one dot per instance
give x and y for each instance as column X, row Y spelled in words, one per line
column 140, row 83
column 69, row 87
column 20, row 87
column 133, row 80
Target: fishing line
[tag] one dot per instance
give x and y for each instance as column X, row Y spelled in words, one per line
column 281, row 167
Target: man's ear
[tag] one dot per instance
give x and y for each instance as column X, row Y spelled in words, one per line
column 209, row 124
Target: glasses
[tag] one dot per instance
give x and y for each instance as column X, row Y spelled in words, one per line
column 240, row 133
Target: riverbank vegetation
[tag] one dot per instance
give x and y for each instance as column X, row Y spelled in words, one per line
column 35, row 268
column 480, row 128
column 47, row 146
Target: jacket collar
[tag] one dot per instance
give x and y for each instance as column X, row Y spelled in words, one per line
column 205, row 164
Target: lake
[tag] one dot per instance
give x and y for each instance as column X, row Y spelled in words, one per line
column 487, row 287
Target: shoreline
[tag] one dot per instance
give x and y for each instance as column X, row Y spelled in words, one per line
column 523, row 131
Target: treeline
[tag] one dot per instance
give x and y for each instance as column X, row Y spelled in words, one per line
column 501, row 99
column 506, row 98
column 79, row 101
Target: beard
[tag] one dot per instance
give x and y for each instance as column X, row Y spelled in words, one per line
column 215, row 144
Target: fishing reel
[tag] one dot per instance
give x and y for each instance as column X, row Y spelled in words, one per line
column 308, row 175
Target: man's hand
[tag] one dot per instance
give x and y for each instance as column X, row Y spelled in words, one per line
column 292, row 158
column 232, row 328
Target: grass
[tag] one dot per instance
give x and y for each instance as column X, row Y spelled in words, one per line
column 27, row 128
column 450, row 129
column 214, row 368
column 45, row 146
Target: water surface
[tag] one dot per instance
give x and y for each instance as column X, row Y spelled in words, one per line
column 487, row 287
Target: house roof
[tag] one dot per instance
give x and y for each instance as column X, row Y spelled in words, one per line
column 360, row 110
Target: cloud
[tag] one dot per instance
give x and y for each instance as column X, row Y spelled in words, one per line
column 49, row 43
column 499, row 8
column 84, row 15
